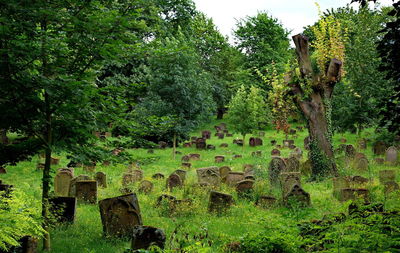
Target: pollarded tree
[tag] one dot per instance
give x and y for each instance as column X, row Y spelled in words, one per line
column 312, row 89
column 247, row 111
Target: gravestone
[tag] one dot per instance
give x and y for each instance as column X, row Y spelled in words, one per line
column 297, row 152
column 273, row 142
column 379, row 148
column 340, row 183
column 186, row 165
column 357, row 181
column 206, row 134
column 292, row 164
column 229, row 135
column 194, row 157
column 3, row 170
column 158, row 176
column 247, row 167
column 72, row 186
column 234, row 177
column 220, row 135
column 145, row 186
column 261, row 134
column 132, row 177
column 286, row 143
column 219, row 158
column 181, row 174
column 89, row 167
column 223, row 172
column 362, row 143
column 387, row 175
column 353, row 194
column 254, row 141
column 173, row 181
column 162, row 145
column 390, row 186
column 219, row 202
column 187, row 144
column 201, row 143
column 63, row 209
column 164, row 197
column 62, row 182
column 379, row 160
column 150, row 151
column 237, row 156
column 208, row 176
column 288, row 181
column 101, row 179
column 54, row 161
column 40, row 166
column 223, row 145
column 210, row 147
column 298, row 195
column 244, row 187
column 276, row 166
column 266, row 202
column 392, row 155
column 144, row 237
column 275, row 152
column 350, row 151
column 361, row 164
column 292, row 132
column 343, row 140
column 305, row 167
column 119, row 215
column 106, row 163
column 185, row 158
column 257, row 153
column 238, row 142
column 86, row 191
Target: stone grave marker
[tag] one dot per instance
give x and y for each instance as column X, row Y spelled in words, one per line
column 350, row 151
column 132, row 177
column 238, row 142
column 257, row 153
column 340, row 183
column 273, row 142
column 119, row 215
column 247, row 167
column 392, row 155
column 379, row 148
column 162, row 145
column 145, row 186
column 206, row 134
column 101, row 179
column 223, row 145
column 221, row 135
column 254, row 141
column 261, row 134
column 185, row 158
column 63, row 209
column 194, row 157
column 234, row 177
column 343, row 140
column 86, row 191
column 210, row 147
column 361, row 164
column 362, row 143
column 229, row 135
column 292, row 164
column 276, row 166
column 186, row 165
column 150, row 151
column 158, row 176
column 390, row 186
column 173, row 181
column 201, row 143
column 181, row 174
column 244, row 187
column 208, row 176
column 237, row 156
column 223, row 172
column 72, row 186
column 275, row 152
column 62, row 182
column 353, row 194
column 219, row 158
column 298, row 195
column 387, row 176
column 305, row 167
column 187, row 144
column 379, row 160
column 145, row 236
column 288, row 181
column 219, row 202
column 286, row 143
column 266, row 202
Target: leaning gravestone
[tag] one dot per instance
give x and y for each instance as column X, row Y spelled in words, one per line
column 63, row 209
column 181, row 174
column 62, row 183
column 173, row 181
column 379, row 148
column 223, row 172
column 144, row 237
column 387, row 176
column 392, row 155
column 208, row 176
column 119, row 215
column 266, row 202
column 244, row 187
column 219, row 202
column 234, row 177
column 276, row 166
column 298, row 195
column 289, row 180
column 86, row 191
column 101, row 179
column 145, row 186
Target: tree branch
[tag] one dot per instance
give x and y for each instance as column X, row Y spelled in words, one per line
column 301, row 43
column 333, row 72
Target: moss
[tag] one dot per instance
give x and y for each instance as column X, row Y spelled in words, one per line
column 321, row 164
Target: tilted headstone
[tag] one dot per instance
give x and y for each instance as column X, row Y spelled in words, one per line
column 353, row 194
column 234, row 177
column 145, row 186
column 145, row 236
column 63, row 209
column 379, row 148
column 86, row 191
column 173, row 181
column 219, row 202
column 276, row 166
column 392, row 155
column 223, row 172
column 101, row 179
column 244, row 187
column 62, row 182
column 208, row 176
column 119, row 215
column 219, row 158
column 387, row 175
column 266, row 201
column 158, row 176
column 298, row 195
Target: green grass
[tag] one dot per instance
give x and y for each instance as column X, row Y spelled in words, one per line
column 85, row 235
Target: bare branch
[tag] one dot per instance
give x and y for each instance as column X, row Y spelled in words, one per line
column 303, row 56
column 333, row 72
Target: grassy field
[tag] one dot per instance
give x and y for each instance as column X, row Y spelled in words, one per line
column 193, row 228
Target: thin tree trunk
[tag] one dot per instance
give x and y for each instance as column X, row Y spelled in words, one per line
column 244, row 141
column 174, row 146
column 220, row 113
column 4, row 138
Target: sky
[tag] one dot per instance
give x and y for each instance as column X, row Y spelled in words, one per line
column 293, row 14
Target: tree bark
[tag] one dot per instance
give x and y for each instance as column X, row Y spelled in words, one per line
column 174, row 146
column 220, row 113
column 4, row 138
column 316, row 107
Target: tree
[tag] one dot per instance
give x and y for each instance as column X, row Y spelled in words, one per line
column 49, row 54
column 248, row 111
column 312, row 86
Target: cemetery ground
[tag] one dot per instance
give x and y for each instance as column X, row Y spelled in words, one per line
column 190, row 227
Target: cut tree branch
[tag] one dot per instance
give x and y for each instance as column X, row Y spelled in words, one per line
column 333, row 72
column 301, row 43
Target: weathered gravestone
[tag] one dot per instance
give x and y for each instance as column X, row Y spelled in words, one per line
column 353, row 194
column 63, row 209
column 119, row 215
column 89, row 166
column 350, row 151
column 266, row 202
column 297, row 196
column 206, row 134
column 86, row 191
column 54, row 161
column 305, row 167
column 379, row 148
column 257, row 153
column 194, row 157
column 390, row 186
column 292, row 164
column 273, row 142
column 101, row 179
column 275, row 152
column 392, row 155
column 229, row 135
column 187, row 144
column 238, row 142
column 185, row 158
column 223, row 145
column 362, row 143
column 158, row 176
column 210, row 147
column 379, row 160
column 276, row 166
column 340, row 183
column 3, row 170
column 181, row 174
column 72, row 186
column 208, row 176
column 297, row 152
column 254, row 141
column 173, row 181
column 162, row 145
column 361, row 164
column 145, row 236
column 223, row 172
column 132, row 177
column 244, row 187
column 62, row 182
column 247, row 167
column 387, row 176
column 234, row 177
column 219, row 159
column 237, row 156
column 145, row 186
column 186, row 165
column 261, row 133
column 343, row 140
column 220, row 135
column 292, row 132
column 201, row 143
column 219, row 202
column 288, row 181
